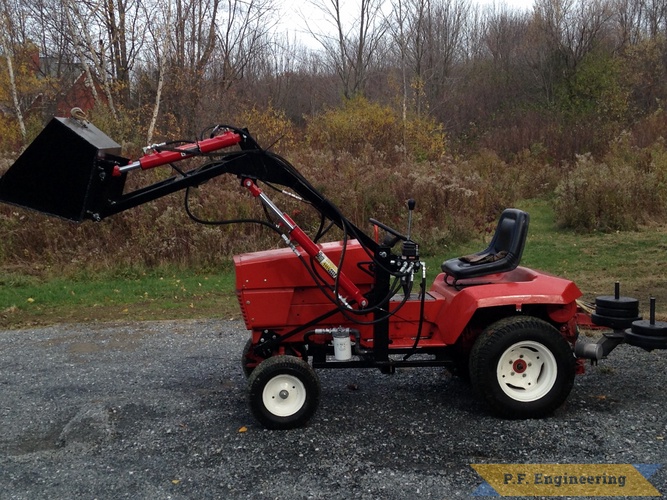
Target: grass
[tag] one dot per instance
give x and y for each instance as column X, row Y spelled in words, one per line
column 594, row 261
column 144, row 296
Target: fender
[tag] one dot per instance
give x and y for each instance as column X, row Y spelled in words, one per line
column 517, row 288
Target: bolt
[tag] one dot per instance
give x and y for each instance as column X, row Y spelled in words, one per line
column 283, row 394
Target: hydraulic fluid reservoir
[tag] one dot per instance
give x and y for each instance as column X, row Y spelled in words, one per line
column 342, row 344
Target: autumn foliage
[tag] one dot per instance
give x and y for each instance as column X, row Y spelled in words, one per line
column 467, row 110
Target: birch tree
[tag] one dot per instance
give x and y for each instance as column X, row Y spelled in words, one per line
column 7, row 40
column 159, row 30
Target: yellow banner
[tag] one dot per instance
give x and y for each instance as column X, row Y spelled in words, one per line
column 608, row 480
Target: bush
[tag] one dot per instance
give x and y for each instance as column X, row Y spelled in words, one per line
column 624, row 190
column 268, row 126
column 353, row 127
column 360, row 124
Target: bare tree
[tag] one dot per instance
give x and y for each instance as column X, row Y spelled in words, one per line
column 7, row 41
column 409, row 35
column 573, row 27
column 443, row 35
column 352, row 44
column 213, row 43
column 655, row 17
column 243, row 37
column 504, row 35
column 630, row 17
column 78, row 24
column 158, row 29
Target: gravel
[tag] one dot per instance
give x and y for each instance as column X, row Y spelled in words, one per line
column 158, row 410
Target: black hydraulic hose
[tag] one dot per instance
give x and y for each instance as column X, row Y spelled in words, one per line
column 349, row 230
column 421, row 319
column 225, row 222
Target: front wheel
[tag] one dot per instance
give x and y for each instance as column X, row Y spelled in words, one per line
column 284, row 392
column 522, row 367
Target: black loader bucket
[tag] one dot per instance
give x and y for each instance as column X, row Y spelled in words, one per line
column 66, row 171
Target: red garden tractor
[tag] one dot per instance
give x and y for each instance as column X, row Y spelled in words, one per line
column 353, row 303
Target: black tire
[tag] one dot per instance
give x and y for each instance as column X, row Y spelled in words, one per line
column 284, row 392
column 248, row 359
column 522, row 367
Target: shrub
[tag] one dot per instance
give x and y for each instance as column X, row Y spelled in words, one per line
column 357, row 124
column 624, row 190
column 360, row 124
column 424, row 138
column 268, row 126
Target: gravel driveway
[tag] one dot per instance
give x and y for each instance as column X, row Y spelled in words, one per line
column 158, row 410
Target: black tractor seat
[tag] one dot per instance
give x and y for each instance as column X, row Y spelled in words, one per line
column 502, row 255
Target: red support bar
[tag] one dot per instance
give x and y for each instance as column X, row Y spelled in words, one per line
column 221, row 141
column 153, row 160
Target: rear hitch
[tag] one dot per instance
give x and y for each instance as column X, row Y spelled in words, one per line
column 600, row 349
column 622, row 315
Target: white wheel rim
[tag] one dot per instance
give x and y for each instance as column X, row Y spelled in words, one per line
column 527, row 371
column 284, row 395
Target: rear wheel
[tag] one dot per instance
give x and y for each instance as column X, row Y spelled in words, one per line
column 522, row 367
column 284, row 392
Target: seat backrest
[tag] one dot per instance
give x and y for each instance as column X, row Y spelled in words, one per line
column 503, row 253
column 511, row 232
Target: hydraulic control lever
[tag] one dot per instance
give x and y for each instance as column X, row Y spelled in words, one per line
column 410, row 248
column 388, row 241
column 411, row 206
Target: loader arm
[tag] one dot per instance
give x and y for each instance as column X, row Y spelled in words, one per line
column 248, row 163
column 73, row 170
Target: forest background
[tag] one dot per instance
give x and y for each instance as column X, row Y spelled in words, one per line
column 467, row 109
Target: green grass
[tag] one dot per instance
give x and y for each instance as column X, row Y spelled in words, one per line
column 155, row 295
column 594, row 261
